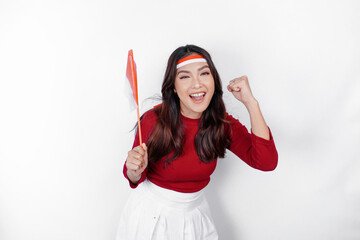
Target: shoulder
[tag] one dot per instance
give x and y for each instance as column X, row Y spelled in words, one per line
column 148, row 122
column 148, row 119
column 149, row 115
column 231, row 120
column 233, row 124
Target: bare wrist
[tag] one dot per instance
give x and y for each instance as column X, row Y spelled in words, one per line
column 132, row 178
column 251, row 104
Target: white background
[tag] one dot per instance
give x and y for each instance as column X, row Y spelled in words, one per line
column 64, row 124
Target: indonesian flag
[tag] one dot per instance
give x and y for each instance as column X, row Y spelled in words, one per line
column 133, row 90
column 131, row 76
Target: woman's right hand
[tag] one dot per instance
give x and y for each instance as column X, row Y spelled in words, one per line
column 136, row 162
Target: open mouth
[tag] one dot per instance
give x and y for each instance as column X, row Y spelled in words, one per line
column 196, row 97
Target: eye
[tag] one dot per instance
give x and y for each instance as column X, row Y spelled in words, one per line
column 184, row 76
column 205, row 73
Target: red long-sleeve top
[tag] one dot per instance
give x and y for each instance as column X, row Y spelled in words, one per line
column 187, row 173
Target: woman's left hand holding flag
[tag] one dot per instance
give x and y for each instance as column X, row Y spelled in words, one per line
column 136, row 162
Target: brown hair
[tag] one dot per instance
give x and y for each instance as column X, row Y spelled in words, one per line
column 167, row 137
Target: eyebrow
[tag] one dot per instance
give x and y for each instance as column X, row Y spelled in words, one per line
column 205, row 66
column 182, row 71
column 186, row 71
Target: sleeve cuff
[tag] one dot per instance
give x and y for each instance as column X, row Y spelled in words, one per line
column 261, row 140
column 142, row 178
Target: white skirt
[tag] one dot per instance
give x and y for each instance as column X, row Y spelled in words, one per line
column 153, row 212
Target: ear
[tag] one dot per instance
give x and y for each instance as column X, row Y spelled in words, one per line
column 174, row 90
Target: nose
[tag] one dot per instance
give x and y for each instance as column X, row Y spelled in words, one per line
column 196, row 82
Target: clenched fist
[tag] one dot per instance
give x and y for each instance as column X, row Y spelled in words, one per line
column 240, row 88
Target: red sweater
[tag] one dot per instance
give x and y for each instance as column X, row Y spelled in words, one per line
column 187, row 173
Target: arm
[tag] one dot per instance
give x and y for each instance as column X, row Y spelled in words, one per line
column 240, row 88
column 258, row 125
column 256, row 149
column 136, row 165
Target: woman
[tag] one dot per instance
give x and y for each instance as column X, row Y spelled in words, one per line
column 182, row 140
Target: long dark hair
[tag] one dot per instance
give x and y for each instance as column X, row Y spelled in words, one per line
column 166, row 140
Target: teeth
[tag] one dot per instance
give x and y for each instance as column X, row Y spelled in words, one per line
column 197, row 94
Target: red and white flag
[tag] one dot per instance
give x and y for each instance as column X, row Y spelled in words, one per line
column 131, row 76
column 132, row 92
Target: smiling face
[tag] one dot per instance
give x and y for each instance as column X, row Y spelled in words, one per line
column 194, row 85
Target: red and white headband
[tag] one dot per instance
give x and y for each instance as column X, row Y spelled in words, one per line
column 190, row 59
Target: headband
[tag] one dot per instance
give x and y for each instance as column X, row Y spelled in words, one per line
column 190, row 59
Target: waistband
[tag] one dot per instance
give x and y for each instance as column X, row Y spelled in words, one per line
column 173, row 199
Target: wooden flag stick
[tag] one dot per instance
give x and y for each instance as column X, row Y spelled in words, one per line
column 139, row 126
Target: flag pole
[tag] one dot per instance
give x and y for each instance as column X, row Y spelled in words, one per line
column 139, row 126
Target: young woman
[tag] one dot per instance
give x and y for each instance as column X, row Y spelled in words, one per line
column 182, row 140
